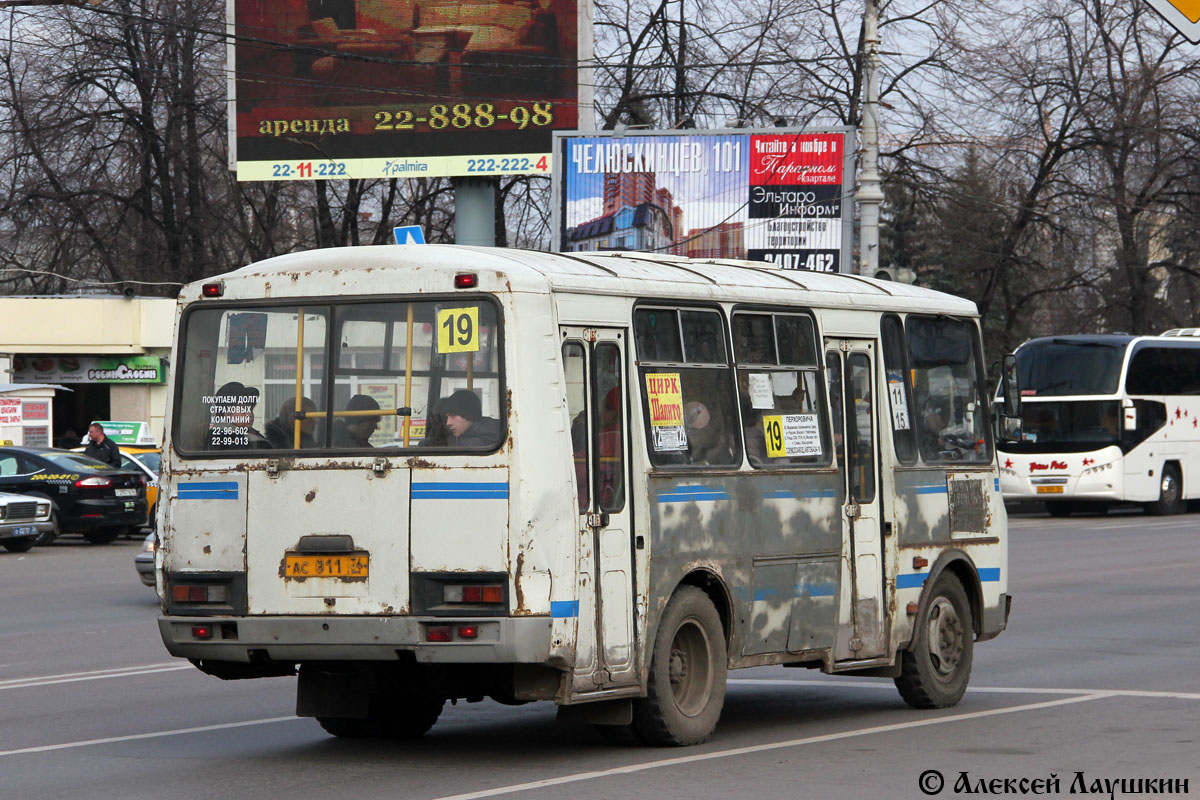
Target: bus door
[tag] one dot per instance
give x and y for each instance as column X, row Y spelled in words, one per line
column 852, row 393
column 597, row 399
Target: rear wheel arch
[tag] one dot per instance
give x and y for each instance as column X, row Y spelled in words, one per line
column 712, row 585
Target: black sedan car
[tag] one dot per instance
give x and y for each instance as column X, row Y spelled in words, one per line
column 88, row 496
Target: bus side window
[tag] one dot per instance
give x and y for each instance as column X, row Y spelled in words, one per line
column 899, row 391
column 777, row 382
column 687, row 389
column 575, row 369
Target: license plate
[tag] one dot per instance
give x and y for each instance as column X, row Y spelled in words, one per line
column 126, row 492
column 25, row 531
column 1049, row 490
column 350, row 565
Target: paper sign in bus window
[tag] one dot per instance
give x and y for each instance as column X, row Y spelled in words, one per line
column 761, row 395
column 458, row 330
column 899, row 402
column 792, row 435
column 665, row 399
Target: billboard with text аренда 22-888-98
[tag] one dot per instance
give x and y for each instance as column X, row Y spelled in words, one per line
column 328, row 89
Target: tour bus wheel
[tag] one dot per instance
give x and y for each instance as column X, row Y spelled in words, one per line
column 1170, row 493
column 686, row 690
column 1059, row 508
column 935, row 668
column 396, row 715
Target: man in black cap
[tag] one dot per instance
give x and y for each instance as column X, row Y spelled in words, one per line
column 356, row 431
column 465, row 421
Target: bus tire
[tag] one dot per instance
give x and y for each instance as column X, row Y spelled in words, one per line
column 936, row 667
column 1170, row 493
column 399, row 715
column 686, row 689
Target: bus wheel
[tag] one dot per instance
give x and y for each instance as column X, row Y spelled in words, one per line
column 1170, row 492
column 1059, row 509
column 935, row 668
column 686, row 690
column 398, row 715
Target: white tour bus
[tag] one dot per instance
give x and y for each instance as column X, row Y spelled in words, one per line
column 1107, row 419
column 420, row 473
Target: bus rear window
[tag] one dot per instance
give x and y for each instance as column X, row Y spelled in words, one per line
column 350, row 376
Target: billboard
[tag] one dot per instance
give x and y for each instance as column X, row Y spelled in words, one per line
column 779, row 195
column 402, row 88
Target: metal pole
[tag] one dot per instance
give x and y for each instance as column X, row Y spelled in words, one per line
column 475, row 211
column 870, row 192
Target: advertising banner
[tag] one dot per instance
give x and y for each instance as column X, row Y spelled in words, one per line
column 779, row 195
column 402, row 88
column 88, row 369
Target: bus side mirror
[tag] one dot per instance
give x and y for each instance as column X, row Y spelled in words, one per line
column 1012, row 387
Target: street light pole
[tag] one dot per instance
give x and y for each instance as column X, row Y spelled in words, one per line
column 870, row 192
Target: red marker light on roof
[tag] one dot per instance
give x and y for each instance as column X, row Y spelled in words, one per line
column 466, row 280
column 213, row 289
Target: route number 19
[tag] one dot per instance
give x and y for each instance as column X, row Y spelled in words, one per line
column 458, row 330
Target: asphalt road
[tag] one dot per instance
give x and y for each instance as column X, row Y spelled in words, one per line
column 1098, row 674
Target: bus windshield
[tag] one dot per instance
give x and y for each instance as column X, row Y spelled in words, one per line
column 348, row 376
column 1064, row 366
column 1069, row 426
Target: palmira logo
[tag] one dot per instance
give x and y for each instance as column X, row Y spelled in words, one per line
column 1184, row 16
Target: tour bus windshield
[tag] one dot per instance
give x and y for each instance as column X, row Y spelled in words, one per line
column 348, row 376
column 1069, row 426
column 1071, row 366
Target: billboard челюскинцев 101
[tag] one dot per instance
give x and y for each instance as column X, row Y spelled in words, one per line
column 779, row 195
column 400, row 88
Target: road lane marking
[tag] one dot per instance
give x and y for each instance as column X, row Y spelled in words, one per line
column 972, row 689
column 135, row 736
column 94, row 675
column 762, row 748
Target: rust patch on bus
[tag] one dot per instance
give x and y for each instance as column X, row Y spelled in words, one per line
column 312, row 494
column 520, row 610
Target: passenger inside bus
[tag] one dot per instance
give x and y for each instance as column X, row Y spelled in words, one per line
column 707, row 441
column 281, row 431
column 464, row 422
column 612, row 490
column 356, row 431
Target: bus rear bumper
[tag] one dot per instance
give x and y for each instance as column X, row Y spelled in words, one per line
column 503, row 640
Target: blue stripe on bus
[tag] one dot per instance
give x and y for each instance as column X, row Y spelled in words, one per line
column 460, row 491
column 564, row 608
column 913, row 580
column 689, row 494
column 787, row 494
column 816, row 590
column 936, row 489
column 207, row 490
column 997, row 484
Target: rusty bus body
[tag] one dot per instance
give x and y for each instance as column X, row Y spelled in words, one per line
column 696, row 466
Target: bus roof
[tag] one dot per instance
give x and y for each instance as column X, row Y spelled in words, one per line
column 370, row 269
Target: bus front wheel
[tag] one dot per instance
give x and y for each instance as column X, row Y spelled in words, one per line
column 1170, row 493
column 934, row 670
column 686, row 690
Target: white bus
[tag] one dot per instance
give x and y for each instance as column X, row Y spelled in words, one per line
column 428, row 473
column 1107, row 419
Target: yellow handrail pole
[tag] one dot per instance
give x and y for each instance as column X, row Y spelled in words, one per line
column 408, row 350
column 299, row 378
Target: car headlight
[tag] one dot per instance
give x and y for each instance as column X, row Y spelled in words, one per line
column 148, row 546
column 3, row 512
column 43, row 509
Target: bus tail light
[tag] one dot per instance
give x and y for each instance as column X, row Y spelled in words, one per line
column 466, row 280
column 439, row 633
column 474, row 594
column 213, row 289
column 202, row 632
column 468, row 631
column 199, row 593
